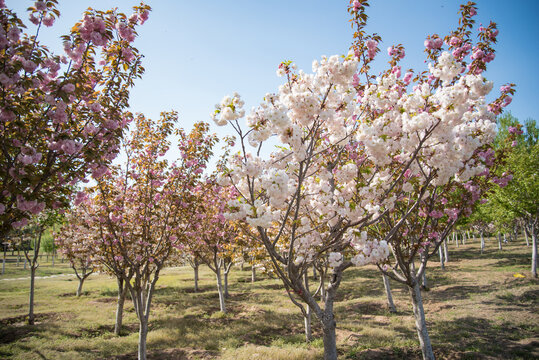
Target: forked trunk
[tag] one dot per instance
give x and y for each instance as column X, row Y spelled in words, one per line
column 420, row 323
column 389, row 296
column 79, row 289
column 220, row 291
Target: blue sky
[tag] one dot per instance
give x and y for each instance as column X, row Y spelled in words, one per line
column 198, row 51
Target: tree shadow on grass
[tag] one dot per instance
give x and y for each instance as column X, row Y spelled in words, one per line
column 234, row 329
column 474, row 337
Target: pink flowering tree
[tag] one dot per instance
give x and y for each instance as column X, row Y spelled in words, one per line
column 72, row 242
column 141, row 212
column 61, row 116
column 211, row 237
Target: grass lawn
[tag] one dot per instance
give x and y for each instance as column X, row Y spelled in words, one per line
column 476, row 309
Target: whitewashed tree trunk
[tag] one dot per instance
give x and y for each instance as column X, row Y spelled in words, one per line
column 500, row 242
column 534, row 249
column 526, row 236
column 18, row 258
column 53, row 256
column 446, row 251
column 457, row 240
column 504, row 239
column 420, row 322
column 25, row 261
column 253, row 273
column 482, row 242
column 389, row 296
column 142, row 337
column 141, row 294
column 220, row 290
column 441, row 255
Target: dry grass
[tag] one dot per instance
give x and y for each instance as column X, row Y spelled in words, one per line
column 476, row 309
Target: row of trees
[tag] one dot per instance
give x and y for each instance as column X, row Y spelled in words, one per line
column 368, row 170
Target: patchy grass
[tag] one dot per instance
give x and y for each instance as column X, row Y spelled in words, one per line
column 476, row 309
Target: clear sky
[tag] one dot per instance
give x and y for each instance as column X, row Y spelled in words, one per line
column 198, row 51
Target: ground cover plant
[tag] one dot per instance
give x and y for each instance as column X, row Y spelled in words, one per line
column 477, row 309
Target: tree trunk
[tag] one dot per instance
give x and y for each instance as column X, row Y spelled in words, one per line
column 33, row 267
column 504, row 239
column 253, row 273
column 457, row 240
column 500, row 242
column 31, row 316
column 315, row 275
column 122, row 292
column 526, row 236
column 53, row 256
column 142, row 336
column 534, row 250
column 307, row 317
column 482, row 242
column 420, row 323
column 195, row 268
column 25, row 260
column 220, row 290
column 330, row 339
column 308, row 327
column 446, row 251
column 389, row 296
column 225, row 275
column 81, row 281
column 4, row 264
column 441, row 254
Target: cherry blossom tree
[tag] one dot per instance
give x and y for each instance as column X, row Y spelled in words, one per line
column 141, row 212
column 61, row 116
column 211, row 236
column 348, row 150
column 72, row 241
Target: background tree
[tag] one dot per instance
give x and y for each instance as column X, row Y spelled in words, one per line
column 73, row 241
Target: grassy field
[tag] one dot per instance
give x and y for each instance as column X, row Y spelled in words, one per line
column 476, row 309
